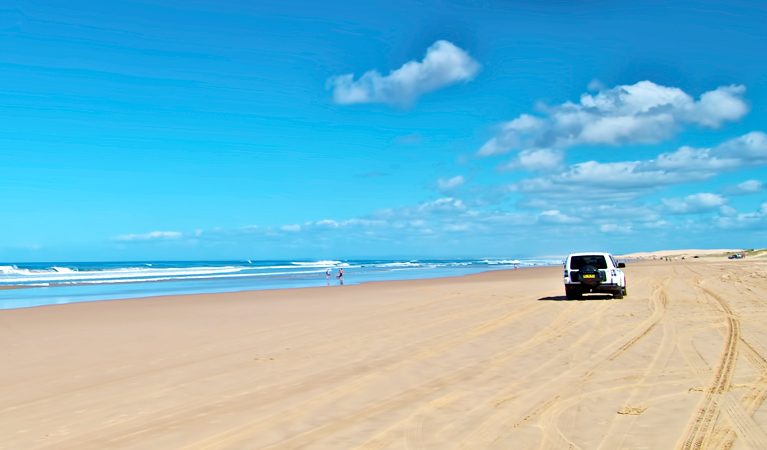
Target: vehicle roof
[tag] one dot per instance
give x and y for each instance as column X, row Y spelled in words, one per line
column 589, row 253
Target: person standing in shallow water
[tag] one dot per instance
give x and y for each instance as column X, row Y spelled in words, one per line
column 327, row 273
column 341, row 273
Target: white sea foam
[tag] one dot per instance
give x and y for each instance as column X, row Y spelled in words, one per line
column 8, row 269
column 317, row 263
column 501, row 261
column 61, row 275
column 193, row 277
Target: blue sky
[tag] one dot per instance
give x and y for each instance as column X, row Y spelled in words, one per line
column 135, row 130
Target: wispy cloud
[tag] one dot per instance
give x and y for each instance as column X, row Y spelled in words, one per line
column 409, row 139
column 444, row 64
column 442, row 206
column 372, row 174
column 448, row 186
column 556, row 217
column 640, row 113
column 615, row 228
column 151, row 236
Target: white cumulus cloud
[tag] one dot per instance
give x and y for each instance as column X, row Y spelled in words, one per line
column 630, row 179
column 445, row 64
column 750, row 149
column 327, row 223
column 745, row 188
column 535, row 160
column 689, row 159
column 756, row 220
column 640, row 113
column 694, row 203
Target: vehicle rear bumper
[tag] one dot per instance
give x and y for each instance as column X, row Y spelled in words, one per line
column 603, row 287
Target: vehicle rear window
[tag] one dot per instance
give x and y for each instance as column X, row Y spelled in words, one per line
column 598, row 261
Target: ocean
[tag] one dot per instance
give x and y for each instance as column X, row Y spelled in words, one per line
column 58, row 283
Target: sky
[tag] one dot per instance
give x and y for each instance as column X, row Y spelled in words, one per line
column 194, row 130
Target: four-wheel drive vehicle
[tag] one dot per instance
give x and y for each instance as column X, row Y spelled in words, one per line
column 594, row 272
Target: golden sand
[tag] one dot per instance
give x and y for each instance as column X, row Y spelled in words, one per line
column 498, row 360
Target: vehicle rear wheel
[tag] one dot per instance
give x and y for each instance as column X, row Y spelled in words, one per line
column 618, row 295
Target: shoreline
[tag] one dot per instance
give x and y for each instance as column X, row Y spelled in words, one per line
column 74, row 292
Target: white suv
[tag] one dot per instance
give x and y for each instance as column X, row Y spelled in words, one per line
column 593, row 272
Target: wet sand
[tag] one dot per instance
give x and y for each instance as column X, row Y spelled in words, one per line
column 499, row 360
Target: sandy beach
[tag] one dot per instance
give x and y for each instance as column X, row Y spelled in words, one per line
column 498, row 360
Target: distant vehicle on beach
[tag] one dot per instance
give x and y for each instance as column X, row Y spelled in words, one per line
column 594, row 273
column 736, row 256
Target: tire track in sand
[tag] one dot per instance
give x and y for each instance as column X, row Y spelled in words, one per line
column 739, row 414
column 561, row 324
column 701, row 426
column 753, row 399
column 411, row 431
column 131, row 428
column 306, row 408
column 404, row 429
column 558, row 422
column 548, row 394
column 639, row 395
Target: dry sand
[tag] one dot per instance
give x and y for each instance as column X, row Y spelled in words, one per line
column 497, row 360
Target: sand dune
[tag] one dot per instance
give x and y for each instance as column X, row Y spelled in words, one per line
column 498, row 360
column 687, row 253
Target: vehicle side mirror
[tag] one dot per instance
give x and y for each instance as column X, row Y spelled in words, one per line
column 621, row 265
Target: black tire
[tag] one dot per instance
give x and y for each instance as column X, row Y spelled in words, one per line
column 626, row 290
column 618, row 295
